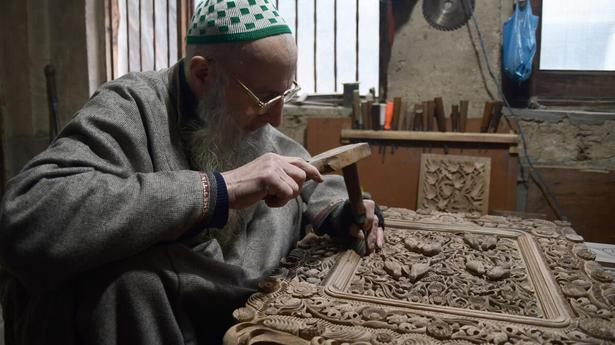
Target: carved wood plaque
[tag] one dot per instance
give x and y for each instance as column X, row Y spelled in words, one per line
column 454, row 183
column 441, row 279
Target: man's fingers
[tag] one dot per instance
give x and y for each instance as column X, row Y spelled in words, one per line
column 372, row 236
column 295, row 186
column 279, row 190
column 310, row 171
column 299, row 176
column 380, row 238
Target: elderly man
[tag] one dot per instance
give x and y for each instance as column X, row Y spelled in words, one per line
column 163, row 201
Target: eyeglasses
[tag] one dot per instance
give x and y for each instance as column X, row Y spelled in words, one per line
column 265, row 107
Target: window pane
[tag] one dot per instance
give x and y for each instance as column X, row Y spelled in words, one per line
column 578, row 35
column 369, row 46
column 346, row 43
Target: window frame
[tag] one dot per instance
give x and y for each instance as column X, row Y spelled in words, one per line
column 563, row 86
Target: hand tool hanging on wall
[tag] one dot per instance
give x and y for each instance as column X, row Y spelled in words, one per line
column 52, row 99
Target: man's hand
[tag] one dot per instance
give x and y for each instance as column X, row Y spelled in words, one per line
column 272, row 177
column 371, row 228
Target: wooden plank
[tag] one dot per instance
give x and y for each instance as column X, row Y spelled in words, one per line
column 426, row 117
column 463, row 115
column 417, row 124
column 375, row 116
column 487, row 113
column 323, row 133
column 403, row 116
column 396, row 112
column 184, row 13
column 391, row 175
column 439, row 114
column 356, row 110
column 586, row 197
column 455, row 118
column 495, row 119
column 498, row 138
column 431, row 113
column 399, row 167
column 367, row 115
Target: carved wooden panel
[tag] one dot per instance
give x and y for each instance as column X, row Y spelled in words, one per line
column 441, row 279
column 454, row 183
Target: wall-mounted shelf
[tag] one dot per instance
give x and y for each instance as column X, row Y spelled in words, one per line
column 391, row 174
column 486, row 138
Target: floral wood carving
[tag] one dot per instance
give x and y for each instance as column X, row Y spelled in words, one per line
column 548, row 290
column 454, row 183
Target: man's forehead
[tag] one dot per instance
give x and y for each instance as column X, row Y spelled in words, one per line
column 268, row 61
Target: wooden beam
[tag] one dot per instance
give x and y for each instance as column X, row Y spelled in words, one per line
column 184, row 14
column 489, row 138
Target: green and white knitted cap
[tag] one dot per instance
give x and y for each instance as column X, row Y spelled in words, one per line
column 217, row 21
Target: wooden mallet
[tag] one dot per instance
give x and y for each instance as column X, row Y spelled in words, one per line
column 345, row 158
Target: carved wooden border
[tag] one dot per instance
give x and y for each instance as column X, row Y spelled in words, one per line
column 551, row 303
column 296, row 308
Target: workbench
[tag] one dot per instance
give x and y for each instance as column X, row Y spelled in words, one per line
column 441, row 278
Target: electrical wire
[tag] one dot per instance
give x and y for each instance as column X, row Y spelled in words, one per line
column 536, row 176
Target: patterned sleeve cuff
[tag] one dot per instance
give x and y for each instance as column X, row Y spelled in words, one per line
column 215, row 200
column 206, row 191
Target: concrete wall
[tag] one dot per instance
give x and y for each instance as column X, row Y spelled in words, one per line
column 574, row 139
column 426, row 63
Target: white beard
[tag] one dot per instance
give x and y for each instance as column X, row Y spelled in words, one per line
column 219, row 144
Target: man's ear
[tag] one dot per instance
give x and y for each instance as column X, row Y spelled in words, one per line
column 199, row 75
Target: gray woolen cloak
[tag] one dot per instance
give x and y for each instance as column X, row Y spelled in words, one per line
column 92, row 230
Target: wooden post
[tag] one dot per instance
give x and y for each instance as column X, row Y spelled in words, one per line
column 487, row 113
column 184, row 12
column 439, row 113
column 396, row 112
column 463, row 115
column 356, row 110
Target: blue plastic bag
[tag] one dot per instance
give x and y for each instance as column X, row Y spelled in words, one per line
column 519, row 42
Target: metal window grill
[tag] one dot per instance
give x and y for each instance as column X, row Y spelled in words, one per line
column 145, row 35
column 337, row 40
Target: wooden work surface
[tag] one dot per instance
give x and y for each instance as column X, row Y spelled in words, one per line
column 442, row 278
